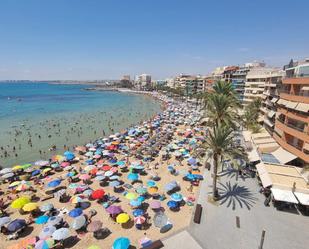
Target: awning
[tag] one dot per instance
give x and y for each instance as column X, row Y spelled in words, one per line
column 305, row 88
column 260, row 119
column 291, row 104
column 283, row 155
column 270, row 124
column 302, row 198
column 274, row 100
column 271, row 113
column 282, row 102
column 284, row 195
column 263, row 174
column 303, row 107
column 253, row 156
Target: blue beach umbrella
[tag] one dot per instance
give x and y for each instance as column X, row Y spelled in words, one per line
column 75, row 212
column 151, row 183
column 170, row 186
column 35, row 172
column 141, row 198
column 138, row 212
column 41, row 219
column 54, row 183
column 16, row 225
column 172, row 204
column 114, row 183
column 70, row 174
column 192, row 161
column 120, row 163
column 121, row 243
column 47, row 232
column 132, row 177
column 69, row 155
column 176, row 197
column 135, row 203
column 54, row 220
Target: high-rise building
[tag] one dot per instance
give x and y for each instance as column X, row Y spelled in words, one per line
column 191, row 84
column 255, row 83
column 292, row 118
column 141, row 81
column 239, row 80
column 270, row 98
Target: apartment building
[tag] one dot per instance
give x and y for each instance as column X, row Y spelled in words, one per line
column 270, row 98
column 255, row 83
column 292, row 118
column 191, row 84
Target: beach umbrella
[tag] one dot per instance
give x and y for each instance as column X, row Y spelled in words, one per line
column 65, row 164
column 84, row 177
column 81, row 149
column 69, row 155
column 106, row 167
column 14, row 184
column 73, row 185
column 54, row 220
column 61, row 234
column 46, row 170
column 59, row 193
column 89, row 154
column 75, row 212
column 151, row 183
column 144, row 242
column 121, row 243
column 54, row 183
column 78, row 222
column 7, row 175
column 122, row 218
column 45, row 243
column 55, row 165
column 41, row 219
column 152, row 190
column 76, row 199
column 58, row 158
column 172, row 204
column 138, row 212
column 114, row 209
column 89, row 167
column 16, row 225
column 114, row 184
column 168, row 226
column 109, row 173
column 139, row 220
column 94, row 226
column 135, row 203
column 41, row 163
column 5, row 171
column 114, row 177
column 176, row 197
column 87, row 192
column 17, row 167
column 171, row 185
column 160, row 219
column 93, row 247
column 20, row 202
column 132, row 177
column 98, row 194
column 35, row 172
column 4, row 220
column 23, row 185
column 155, row 204
column 131, row 196
column 26, row 166
column 47, row 231
column 30, row 207
column 46, row 207
column 141, row 190
column 70, row 174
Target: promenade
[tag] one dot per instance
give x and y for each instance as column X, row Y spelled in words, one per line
column 218, row 228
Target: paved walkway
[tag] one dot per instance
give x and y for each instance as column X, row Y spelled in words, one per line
column 181, row 240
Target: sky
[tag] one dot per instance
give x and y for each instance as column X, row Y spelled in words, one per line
column 105, row 39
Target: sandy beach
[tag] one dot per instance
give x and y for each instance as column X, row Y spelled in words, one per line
column 174, row 133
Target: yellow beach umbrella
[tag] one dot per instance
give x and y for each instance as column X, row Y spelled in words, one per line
column 94, row 247
column 46, row 170
column 14, row 184
column 17, row 167
column 152, row 190
column 122, row 218
column 20, row 202
column 131, row 196
column 30, row 207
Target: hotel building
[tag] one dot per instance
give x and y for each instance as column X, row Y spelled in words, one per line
column 292, row 118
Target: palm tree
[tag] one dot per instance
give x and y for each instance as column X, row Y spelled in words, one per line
column 220, row 144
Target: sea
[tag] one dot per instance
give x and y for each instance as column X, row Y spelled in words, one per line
column 37, row 116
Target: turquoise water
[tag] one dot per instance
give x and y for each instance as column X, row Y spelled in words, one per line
column 36, row 116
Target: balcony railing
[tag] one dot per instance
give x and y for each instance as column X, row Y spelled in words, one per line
column 303, row 94
column 294, row 145
column 295, row 127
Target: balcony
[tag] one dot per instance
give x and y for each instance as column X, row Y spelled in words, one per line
column 295, row 98
column 292, row 130
column 297, row 151
column 296, row 80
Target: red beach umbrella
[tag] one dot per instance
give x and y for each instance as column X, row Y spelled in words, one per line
column 106, row 167
column 98, row 194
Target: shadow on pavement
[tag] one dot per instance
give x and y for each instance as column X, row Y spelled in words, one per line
column 235, row 195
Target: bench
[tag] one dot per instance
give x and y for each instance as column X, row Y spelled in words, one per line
column 198, row 214
column 155, row 245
